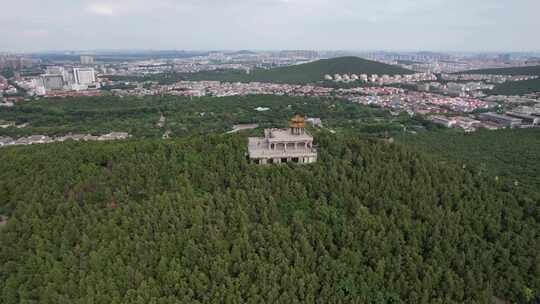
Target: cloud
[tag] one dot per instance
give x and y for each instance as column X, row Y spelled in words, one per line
column 101, row 9
column 271, row 24
column 35, row 34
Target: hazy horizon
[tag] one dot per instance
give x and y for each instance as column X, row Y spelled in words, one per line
column 350, row 52
column 349, row 25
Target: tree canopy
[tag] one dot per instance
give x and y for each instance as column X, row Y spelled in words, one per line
column 191, row 221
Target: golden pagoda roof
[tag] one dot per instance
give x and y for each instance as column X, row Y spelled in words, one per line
column 297, row 122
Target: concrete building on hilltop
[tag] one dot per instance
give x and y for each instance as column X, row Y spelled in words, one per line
column 279, row 146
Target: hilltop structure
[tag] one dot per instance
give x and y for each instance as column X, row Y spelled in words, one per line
column 279, row 146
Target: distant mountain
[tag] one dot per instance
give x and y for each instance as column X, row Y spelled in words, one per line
column 517, row 87
column 315, row 71
column 513, row 88
column 311, row 72
column 528, row 70
column 242, row 52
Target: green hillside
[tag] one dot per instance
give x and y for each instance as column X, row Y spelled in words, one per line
column 506, row 154
column 312, row 72
column 517, row 87
column 190, row 221
column 529, row 70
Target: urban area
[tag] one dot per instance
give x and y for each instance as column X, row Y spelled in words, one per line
column 439, row 89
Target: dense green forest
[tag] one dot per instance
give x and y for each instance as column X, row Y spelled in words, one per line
column 312, row 72
column 517, row 87
column 439, row 217
column 190, row 221
column 185, row 116
column 512, row 154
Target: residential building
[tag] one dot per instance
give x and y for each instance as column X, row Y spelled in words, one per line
column 507, row 121
column 84, row 75
column 467, row 122
column 55, row 70
column 444, row 121
column 86, row 60
column 53, row 82
column 529, row 119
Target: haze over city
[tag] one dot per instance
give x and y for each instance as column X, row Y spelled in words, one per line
column 437, row 25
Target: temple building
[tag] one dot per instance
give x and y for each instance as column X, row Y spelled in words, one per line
column 280, row 146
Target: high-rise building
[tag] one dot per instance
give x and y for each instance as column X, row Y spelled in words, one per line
column 69, row 76
column 87, row 59
column 66, row 73
column 55, row 70
column 84, row 75
column 53, row 82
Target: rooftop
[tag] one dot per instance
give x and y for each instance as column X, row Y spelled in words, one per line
column 258, row 148
column 500, row 116
column 285, row 135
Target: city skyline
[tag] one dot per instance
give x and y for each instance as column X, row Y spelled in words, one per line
column 439, row 25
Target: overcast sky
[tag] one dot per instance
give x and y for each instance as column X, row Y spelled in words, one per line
column 437, row 25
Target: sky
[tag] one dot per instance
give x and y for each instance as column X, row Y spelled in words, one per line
column 405, row 25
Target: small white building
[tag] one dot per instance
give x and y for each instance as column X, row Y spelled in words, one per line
column 114, row 136
column 5, row 141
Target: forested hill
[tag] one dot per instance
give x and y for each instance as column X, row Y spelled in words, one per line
column 527, row 70
column 190, row 221
column 314, row 71
column 514, row 87
column 307, row 73
column 511, row 154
